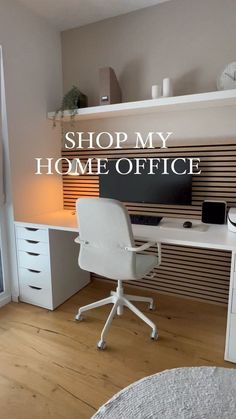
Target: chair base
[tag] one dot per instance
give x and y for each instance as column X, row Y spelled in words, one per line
column 119, row 301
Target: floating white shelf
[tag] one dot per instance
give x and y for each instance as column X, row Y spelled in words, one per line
column 175, row 103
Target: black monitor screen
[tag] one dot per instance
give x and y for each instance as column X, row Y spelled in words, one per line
column 157, row 188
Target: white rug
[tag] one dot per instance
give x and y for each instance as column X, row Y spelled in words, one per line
column 181, row 393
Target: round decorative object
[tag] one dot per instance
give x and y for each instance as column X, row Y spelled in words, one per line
column 181, row 393
column 227, row 79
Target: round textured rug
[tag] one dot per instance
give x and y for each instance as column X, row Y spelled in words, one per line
column 181, row 393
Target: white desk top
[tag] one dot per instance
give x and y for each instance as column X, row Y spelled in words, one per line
column 168, row 231
column 59, row 220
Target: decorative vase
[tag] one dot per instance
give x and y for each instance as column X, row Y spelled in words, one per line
column 167, row 87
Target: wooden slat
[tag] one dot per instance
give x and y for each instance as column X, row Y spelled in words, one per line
column 201, row 282
column 173, row 291
column 208, row 185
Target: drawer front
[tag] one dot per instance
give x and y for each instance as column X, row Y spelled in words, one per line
column 36, row 295
column 33, row 246
column 234, row 256
column 32, row 233
column 234, row 281
column 34, row 277
column 33, row 261
column 233, row 307
column 232, row 338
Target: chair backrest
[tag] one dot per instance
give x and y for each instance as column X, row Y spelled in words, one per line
column 105, row 230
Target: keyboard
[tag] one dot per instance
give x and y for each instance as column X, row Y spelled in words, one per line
column 149, row 220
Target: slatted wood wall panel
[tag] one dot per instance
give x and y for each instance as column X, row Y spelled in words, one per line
column 190, row 272
column 197, row 273
column 217, row 179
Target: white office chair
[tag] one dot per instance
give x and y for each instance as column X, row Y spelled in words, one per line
column 107, row 248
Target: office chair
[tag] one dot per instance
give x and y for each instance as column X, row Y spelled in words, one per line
column 107, row 248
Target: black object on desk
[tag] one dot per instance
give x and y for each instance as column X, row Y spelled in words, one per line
column 151, row 220
column 187, row 224
column 214, row 212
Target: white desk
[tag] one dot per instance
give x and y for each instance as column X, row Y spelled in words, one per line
column 214, row 237
column 169, row 231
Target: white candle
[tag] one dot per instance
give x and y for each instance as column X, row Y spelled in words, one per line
column 156, row 91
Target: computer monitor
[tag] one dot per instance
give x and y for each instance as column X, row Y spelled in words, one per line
column 158, row 188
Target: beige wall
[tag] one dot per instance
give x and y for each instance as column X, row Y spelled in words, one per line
column 33, row 83
column 33, row 77
column 187, row 40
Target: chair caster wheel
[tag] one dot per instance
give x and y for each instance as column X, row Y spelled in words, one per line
column 101, row 345
column 154, row 335
column 78, row 318
column 152, row 307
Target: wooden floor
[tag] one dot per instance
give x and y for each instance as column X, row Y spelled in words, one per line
column 50, row 367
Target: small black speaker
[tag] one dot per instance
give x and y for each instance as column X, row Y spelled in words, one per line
column 214, row 212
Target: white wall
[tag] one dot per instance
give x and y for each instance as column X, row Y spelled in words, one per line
column 188, row 40
column 32, row 63
column 33, row 82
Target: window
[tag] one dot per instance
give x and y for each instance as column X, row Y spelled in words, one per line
column 1, row 274
column 4, row 271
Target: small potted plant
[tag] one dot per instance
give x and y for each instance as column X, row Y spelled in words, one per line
column 71, row 101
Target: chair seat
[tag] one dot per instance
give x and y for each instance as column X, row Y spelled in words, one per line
column 144, row 264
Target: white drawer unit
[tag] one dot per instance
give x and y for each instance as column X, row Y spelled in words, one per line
column 232, row 338
column 34, row 277
column 47, row 265
column 233, row 306
column 33, row 261
column 33, row 246
column 36, row 295
column 32, row 233
column 230, row 347
column 234, row 283
column 234, row 263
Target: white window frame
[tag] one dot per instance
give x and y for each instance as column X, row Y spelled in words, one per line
column 7, row 235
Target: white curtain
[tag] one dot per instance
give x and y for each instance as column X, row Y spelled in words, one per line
column 2, row 198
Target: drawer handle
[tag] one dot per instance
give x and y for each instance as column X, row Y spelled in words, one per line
column 31, row 241
column 33, row 254
column 33, row 271
column 35, row 288
column 31, row 229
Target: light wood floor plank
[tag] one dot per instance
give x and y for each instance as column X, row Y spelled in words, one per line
column 50, row 367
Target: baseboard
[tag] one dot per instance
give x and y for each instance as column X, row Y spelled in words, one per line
column 5, row 300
